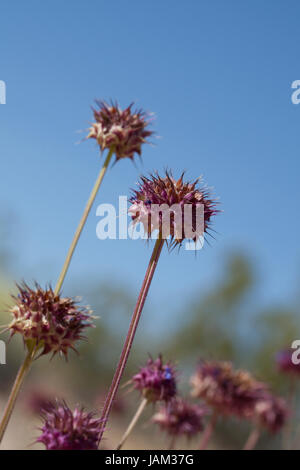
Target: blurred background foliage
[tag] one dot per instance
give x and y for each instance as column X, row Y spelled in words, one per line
column 225, row 323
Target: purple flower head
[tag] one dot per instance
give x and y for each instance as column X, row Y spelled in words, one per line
column 230, row 392
column 124, row 130
column 156, row 381
column 285, row 364
column 64, row 429
column 271, row 412
column 177, row 209
column 179, row 417
column 51, row 322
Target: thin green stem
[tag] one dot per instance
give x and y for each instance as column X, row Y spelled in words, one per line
column 24, row 369
column 133, row 422
column 131, row 333
column 29, row 358
column 83, row 221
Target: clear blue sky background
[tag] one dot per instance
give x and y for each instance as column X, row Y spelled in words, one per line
column 218, row 76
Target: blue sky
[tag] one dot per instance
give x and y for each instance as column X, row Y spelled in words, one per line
column 218, row 77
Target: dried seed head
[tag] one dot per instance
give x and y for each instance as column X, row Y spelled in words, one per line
column 230, row 392
column 177, row 209
column 285, row 364
column 179, row 417
column 156, row 381
column 64, row 429
column 124, row 130
column 271, row 412
column 45, row 319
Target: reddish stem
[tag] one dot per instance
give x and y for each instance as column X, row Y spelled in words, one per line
column 208, row 432
column 131, row 333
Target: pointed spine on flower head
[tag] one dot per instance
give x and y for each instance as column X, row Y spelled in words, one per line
column 156, row 381
column 51, row 322
column 176, row 208
column 180, row 418
column 124, row 130
column 64, row 429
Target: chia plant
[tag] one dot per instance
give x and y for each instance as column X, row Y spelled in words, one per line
column 47, row 321
column 158, row 190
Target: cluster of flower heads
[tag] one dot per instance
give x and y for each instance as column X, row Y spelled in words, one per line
column 51, row 322
column 180, row 418
column 177, row 209
column 64, row 429
column 156, row 380
column 223, row 389
column 123, row 130
column 238, row 393
column 227, row 390
column 285, row 362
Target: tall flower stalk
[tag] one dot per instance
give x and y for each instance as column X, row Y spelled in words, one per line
column 83, row 221
column 120, row 132
column 26, row 365
column 15, row 391
column 208, row 432
column 131, row 331
column 167, row 192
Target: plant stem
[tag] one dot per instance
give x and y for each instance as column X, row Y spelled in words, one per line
column 29, row 358
column 252, row 439
column 15, row 391
column 172, row 443
column 131, row 333
column 208, row 431
column 133, row 422
column 83, row 221
column 288, row 429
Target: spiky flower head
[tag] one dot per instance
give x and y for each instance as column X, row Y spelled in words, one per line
column 48, row 321
column 124, row 130
column 176, row 208
column 180, row 418
column 64, row 429
column 271, row 412
column 156, row 380
column 229, row 391
column 285, row 363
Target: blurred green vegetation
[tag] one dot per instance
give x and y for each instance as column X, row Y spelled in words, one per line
column 228, row 323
